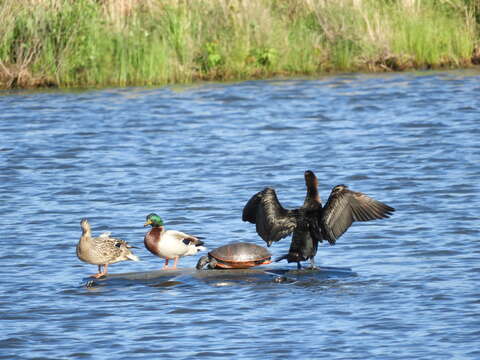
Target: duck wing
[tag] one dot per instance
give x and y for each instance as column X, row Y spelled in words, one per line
column 185, row 238
column 345, row 206
column 113, row 248
column 273, row 222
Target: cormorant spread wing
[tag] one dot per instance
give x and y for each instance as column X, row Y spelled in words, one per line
column 345, row 206
column 273, row 222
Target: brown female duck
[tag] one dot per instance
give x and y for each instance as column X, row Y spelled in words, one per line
column 102, row 250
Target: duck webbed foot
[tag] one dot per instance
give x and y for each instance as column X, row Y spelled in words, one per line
column 100, row 271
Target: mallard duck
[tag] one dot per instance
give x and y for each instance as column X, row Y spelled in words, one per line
column 102, row 250
column 169, row 244
column 312, row 222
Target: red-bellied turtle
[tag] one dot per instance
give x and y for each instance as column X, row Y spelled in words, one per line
column 239, row 255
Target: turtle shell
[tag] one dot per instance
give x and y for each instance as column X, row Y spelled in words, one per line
column 240, row 255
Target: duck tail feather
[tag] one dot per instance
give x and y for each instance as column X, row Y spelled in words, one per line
column 133, row 257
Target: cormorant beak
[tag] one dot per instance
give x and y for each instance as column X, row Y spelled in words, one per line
column 147, row 223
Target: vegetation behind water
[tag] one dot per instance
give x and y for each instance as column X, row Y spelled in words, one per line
column 146, row 42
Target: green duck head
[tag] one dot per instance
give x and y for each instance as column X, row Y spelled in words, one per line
column 154, row 220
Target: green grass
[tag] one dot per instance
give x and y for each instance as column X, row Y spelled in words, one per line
column 432, row 39
column 152, row 42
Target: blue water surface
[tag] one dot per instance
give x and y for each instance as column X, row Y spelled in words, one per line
column 195, row 155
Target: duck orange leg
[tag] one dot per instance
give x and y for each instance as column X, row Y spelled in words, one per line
column 165, row 267
column 100, row 272
column 105, row 269
column 175, row 262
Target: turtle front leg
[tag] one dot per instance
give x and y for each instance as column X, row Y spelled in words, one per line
column 212, row 264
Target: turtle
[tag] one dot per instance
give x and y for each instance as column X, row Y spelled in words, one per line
column 240, row 255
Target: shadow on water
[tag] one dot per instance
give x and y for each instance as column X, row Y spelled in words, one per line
column 218, row 278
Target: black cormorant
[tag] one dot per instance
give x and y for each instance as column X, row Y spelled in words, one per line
column 312, row 222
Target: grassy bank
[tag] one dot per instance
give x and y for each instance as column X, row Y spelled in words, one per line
column 144, row 42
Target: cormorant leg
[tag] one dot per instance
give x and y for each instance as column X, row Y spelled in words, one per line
column 166, row 264
column 299, row 266
column 312, row 263
column 175, row 262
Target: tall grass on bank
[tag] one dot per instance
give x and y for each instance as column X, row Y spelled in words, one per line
column 145, row 42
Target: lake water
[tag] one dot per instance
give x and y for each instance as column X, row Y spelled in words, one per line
column 195, row 155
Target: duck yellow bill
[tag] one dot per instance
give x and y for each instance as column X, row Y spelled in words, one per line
column 148, row 222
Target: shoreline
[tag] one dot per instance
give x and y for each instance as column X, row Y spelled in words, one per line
column 29, row 82
column 26, row 81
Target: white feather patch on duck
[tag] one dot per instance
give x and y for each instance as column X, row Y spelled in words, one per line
column 170, row 244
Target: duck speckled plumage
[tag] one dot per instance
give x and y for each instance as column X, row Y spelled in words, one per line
column 311, row 223
column 102, row 250
column 169, row 244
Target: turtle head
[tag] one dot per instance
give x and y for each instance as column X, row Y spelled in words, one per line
column 154, row 220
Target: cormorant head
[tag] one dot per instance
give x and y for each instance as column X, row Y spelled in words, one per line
column 310, row 178
column 312, row 198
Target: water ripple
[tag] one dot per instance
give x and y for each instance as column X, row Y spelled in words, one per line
column 195, row 155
